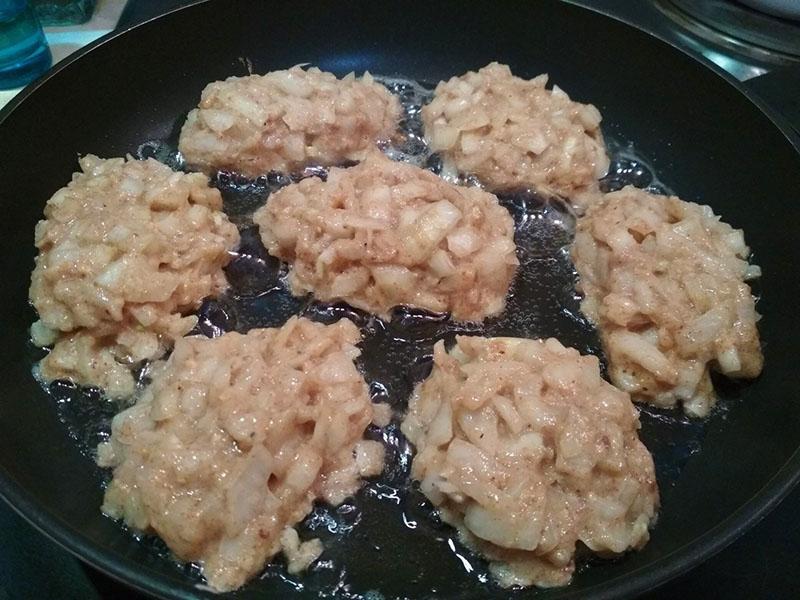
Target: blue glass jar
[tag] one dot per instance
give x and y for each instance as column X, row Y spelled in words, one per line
column 24, row 53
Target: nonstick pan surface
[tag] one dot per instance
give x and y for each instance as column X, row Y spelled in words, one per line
column 702, row 137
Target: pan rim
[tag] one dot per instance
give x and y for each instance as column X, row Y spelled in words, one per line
column 644, row 578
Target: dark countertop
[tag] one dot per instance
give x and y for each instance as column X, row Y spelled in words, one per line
column 763, row 563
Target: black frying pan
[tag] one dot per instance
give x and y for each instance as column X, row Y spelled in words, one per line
column 706, row 140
